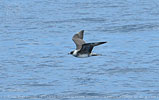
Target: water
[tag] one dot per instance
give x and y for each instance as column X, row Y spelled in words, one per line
column 35, row 38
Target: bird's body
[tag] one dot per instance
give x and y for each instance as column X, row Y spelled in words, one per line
column 83, row 49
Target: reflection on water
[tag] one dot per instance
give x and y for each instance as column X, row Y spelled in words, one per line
column 35, row 38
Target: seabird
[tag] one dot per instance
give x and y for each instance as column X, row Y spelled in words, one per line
column 83, row 49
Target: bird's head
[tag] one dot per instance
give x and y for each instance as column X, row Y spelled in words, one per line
column 71, row 52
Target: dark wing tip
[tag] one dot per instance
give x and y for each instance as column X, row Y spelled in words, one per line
column 80, row 34
column 98, row 43
column 82, row 31
column 105, row 42
column 102, row 42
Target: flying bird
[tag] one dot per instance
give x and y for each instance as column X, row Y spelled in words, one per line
column 83, row 49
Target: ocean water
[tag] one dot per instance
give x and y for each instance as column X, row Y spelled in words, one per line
column 36, row 37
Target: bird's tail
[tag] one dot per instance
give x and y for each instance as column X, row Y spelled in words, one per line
column 98, row 43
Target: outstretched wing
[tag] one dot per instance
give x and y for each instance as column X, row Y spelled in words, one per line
column 78, row 39
column 88, row 47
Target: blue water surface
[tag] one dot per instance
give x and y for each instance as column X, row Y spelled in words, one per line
column 36, row 37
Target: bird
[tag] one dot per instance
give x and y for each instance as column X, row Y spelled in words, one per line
column 83, row 49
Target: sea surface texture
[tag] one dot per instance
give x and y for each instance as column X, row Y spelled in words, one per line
column 36, row 37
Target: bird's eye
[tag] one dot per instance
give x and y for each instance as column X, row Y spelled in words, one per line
column 71, row 52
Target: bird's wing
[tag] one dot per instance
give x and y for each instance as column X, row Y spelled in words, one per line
column 88, row 47
column 78, row 40
column 79, row 35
